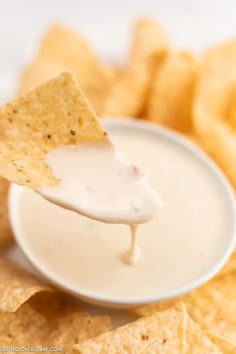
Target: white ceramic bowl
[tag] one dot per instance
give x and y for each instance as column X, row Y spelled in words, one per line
column 16, row 194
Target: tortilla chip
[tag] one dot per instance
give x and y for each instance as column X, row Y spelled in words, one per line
column 75, row 328
column 17, row 285
column 25, row 327
column 211, row 106
column 56, row 113
column 196, row 341
column 231, row 107
column 55, row 322
column 225, row 329
column 172, row 94
column 212, row 301
column 129, row 94
column 63, row 49
column 148, row 38
column 6, row 235
column 163, row 332
column 226, row 346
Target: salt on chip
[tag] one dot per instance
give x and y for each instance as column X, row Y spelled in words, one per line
column 172, row 94
column 17, row 285
column 213, row 93
column 6, row 235
column 225, row 345
column 56, row 113
column 63, row 49
column 164, row 332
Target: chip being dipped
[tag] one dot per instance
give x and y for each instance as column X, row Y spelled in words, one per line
column 53, row 142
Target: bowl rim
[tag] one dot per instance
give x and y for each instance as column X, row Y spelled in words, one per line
column 92, row 297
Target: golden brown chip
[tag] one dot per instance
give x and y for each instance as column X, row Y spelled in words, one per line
column 129, row 93
column 63, row 49
column 226, row 346
column 25, row 327
column 225, row 329
column 6, row 235
column 211, row 106
column 17, row 285
column 56, row 113
column 196, row 341
column 172, row 94
column 230, row 113
column 67, row 322
column 163, row 332
column 75, row 328
column 212, row 301
column 45, row 321
column 148, row 39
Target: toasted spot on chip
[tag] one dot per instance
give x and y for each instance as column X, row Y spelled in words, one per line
column 163, row 332
column 5, row 228
column 42, row 113
column 63, row 49
column 17, row 286
column 172, row 93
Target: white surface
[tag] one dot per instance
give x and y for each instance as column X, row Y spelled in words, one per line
column 191, row 24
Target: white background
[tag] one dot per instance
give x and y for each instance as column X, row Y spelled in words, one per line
column 191, row 24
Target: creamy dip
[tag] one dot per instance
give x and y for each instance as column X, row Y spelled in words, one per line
column 180, row 244
column 96, row 181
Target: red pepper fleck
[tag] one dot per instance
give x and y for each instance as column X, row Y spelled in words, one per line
column 72, row 132
column 136, row 171
column 49, row 136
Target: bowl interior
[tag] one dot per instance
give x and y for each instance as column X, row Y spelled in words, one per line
column 16, row 193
